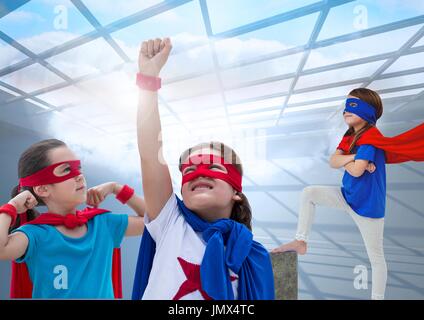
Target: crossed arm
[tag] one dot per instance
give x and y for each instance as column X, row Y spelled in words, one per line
column 356, row 168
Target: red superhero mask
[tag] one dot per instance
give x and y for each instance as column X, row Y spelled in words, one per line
column 48, row 175
column 203, row 163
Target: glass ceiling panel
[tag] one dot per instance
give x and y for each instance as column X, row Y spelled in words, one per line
column 308, row 108
column 32, row 78
column 190, row 88
column 267, row 40
column 310, row 170
column 360, row 48
column 226, row 15
column 297, row 117
column 274, row 87
column 197, row 60
column 202, row 103
column 120, row 128
column 407, row 62
column 419, row 43
column 93, row 57
column 184, row 25
column 338, row 75
column 4, row 89
column 397, row 81
column 254, row 125
column 40, row 25
column 320, row 94
column 255, row 116
column 115, row 90
column 254, row 106
column 261, row 70
column 67, row 95
column 201, row 123
column 211, row 114
column 9, row 55
column 364, row 14
column 400, row 93
column 266, row 173
column 87, row 111
column 107, row 11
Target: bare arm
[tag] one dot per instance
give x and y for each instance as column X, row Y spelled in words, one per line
column 135, row 224
column 357, row 167
column 14, row 246
column 157, row 184
column 98, row 193
column 339, row 160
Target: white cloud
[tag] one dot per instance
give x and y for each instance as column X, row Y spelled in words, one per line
column 23, row 17
column 47, row 40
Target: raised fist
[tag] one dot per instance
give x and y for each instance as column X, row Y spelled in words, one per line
column 153, row 56
column 24, row 201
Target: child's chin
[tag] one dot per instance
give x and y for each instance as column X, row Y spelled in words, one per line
column 200, row 201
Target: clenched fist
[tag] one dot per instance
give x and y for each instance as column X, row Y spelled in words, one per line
column 97, row 194
column 153, row 56
column 24, row 201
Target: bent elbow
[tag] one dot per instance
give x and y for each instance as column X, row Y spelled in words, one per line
column 357, row 173
column 332, row 163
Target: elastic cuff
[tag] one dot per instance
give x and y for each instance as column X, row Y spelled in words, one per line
column 301, row 237
column 125, row 194
column 377, row 297
column 11, row 211
column 148, row 82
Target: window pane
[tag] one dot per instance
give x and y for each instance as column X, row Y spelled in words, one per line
column 274, row 87
column 93, row 57
column 338, row 75
column 410, row 61
column 360, row 48
column 40, row 25
column 267, row 40
column 261, row 70
column 361, row 15
column 32, row 78
column 226, row 15
column 184, row 25
column 107, row 11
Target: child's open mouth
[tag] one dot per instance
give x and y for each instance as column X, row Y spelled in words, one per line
column 199, row 186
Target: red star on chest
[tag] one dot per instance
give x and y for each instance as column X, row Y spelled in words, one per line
column 193, row 282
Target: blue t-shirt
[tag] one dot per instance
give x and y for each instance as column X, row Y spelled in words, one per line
column 62, row 267
column 366, row 194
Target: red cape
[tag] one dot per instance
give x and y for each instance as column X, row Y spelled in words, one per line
column 408, row 146
column 21, row 284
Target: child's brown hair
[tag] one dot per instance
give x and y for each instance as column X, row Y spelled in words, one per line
column 371, row 97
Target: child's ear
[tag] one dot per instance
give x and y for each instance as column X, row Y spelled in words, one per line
column 237, row 196
column 42, row 191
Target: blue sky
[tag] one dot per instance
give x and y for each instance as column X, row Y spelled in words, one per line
column 37, row 16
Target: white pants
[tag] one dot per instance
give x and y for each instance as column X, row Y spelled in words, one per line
column 371, row 229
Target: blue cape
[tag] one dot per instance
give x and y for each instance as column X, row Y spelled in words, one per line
column 244, row 256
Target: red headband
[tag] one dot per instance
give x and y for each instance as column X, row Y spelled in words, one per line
column 203, row 162
column 47, row 176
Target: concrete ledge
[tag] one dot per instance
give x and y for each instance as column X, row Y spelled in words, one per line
column 284, row 265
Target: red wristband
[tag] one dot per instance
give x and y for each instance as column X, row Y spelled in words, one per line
column 148, row 82
column 10, row 210
column 125, row 194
